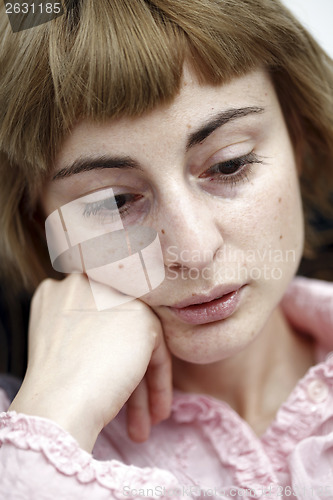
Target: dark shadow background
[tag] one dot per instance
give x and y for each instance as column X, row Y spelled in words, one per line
column 14, row 317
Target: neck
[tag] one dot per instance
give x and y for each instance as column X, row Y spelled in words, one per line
column 256, row 381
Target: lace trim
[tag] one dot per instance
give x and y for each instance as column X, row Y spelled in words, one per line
column 234, row 441
column 299, row 417
column 252, row 458
column 63, row 452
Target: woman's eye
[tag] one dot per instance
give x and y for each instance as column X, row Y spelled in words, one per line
column 112, row 206
column 232, row 171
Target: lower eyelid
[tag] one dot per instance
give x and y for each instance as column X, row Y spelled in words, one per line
column 240, row 175
column 237, row 163
column 129, row 211
column 108, row 205
column 243, row 174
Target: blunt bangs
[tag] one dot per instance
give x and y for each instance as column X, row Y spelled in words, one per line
column 106, row 59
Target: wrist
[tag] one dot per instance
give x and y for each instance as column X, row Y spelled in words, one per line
column 66, row 414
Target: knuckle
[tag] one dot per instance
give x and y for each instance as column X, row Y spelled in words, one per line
column 42, row 289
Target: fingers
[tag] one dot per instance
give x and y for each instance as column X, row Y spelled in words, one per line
column 159, row 382
column 64, row 320
column 150, row 403
column 138, row 417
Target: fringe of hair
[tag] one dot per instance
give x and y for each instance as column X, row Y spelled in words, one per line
column 105, row 59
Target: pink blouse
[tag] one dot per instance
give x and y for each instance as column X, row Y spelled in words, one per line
column 203, row 450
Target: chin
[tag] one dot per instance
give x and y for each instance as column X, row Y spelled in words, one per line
column 216, row 341
column 209, row 343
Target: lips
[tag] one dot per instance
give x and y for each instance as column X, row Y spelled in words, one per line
column 215, row 306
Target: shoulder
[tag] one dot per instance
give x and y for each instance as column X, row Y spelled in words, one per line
column 308, row 306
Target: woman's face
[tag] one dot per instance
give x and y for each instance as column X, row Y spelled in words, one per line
column 214, row 174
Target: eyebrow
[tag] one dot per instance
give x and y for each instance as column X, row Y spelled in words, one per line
column 198, row 136
column 87, row 164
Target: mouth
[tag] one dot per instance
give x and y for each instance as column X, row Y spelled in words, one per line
column 202, row 309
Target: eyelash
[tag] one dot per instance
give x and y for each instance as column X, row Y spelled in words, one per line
column 96, row 208
column 244, row 162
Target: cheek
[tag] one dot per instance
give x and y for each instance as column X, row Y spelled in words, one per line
column 276, row 219
column 273, row 232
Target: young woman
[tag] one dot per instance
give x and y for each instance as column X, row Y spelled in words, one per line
column 207, row 122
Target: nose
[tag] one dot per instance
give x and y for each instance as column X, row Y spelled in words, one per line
column 191, row 235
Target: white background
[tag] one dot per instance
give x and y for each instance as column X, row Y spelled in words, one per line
column 317, row 17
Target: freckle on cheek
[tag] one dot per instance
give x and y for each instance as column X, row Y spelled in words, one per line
column 280, row 199
column 163, row 232
column 121, row 266
column 281, row 236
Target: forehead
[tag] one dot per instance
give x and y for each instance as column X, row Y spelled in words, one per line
column 193, row 105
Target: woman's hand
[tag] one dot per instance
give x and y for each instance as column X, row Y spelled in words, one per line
column 84, row 364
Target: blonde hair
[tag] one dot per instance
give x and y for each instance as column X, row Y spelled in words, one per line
column 110, row 58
